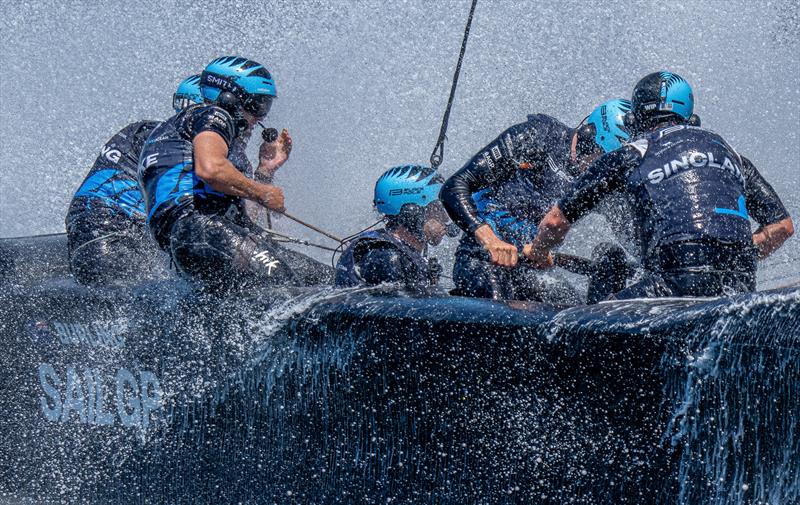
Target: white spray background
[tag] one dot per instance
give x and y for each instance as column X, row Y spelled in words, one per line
column 363, row 85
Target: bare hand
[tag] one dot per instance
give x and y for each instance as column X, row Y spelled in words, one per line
column 538, row 258
column 502, row 253
column 274, row 154
column 273, row 198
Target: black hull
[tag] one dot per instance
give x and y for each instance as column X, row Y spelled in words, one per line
column 315, row 396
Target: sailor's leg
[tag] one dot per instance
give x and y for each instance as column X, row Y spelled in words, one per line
column 475, row 276
column 543, row 286
column 115, row 259
column 610, row 272
column 652, row 285
column 714, row 283
column 308, row 271
column 223, row 254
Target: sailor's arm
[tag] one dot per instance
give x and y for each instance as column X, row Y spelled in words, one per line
column 211, row 164
column 769, row 238
column 493, row 165
column 766, row 208
column 272, row 155
column 604, row 176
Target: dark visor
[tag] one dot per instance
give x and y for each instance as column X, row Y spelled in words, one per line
column 258, row 105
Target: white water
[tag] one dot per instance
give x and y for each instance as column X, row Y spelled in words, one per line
column 362, row 86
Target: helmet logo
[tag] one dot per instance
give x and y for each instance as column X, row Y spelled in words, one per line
column 220, row 82
column 405, row 191
column 662, row 94
column 604, row 118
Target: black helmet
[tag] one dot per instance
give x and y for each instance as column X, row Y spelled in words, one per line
column 661, row 96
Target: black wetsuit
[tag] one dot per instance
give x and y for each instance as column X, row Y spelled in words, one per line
column 377, row 257
column 207, row 233
column 693, row 197
column 106, row 234
column 510, row 185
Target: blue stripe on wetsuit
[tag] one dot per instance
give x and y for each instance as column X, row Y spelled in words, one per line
column 740, row 212
column 506, row 226
column 178, row 182
column 123, row 194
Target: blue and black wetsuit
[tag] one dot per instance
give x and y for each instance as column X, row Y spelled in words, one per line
column 106, row 233
column 376, row 257
column 207, row 233
column 509, row 185
column 692, row 198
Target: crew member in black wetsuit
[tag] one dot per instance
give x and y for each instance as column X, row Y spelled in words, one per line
column 106, row 233
column 500, row 195
column 194, row 194
column 408, row 197
column 693, row 199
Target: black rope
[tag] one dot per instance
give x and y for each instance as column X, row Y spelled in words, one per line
column 438, row 151
column 344, row 241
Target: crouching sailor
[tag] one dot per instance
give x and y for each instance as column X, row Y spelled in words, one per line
column 106, row 233
column 408, row 198
column 500, row 195
column 693, row 197
column 194, row 194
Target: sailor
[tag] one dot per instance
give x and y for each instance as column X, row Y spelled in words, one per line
column 194, row 195
column 107, row 238
column 503, row 191
column 693, row 198
column 408, row 198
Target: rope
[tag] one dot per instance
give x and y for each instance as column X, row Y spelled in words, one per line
column 438, row 151
column 310, row 226
column 344, row 240
column 292, row 240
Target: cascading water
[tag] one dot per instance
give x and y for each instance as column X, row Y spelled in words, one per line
column 369, row 396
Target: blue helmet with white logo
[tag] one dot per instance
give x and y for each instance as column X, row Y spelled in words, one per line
column 188, row 93
column 406, row 185
column 235, row 83
column 607, row 124
column 662, row 96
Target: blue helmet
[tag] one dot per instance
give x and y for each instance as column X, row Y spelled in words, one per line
column 406, row 184
column 188, row 93
column 662, row 94
column 607, row 124
column 238, row 83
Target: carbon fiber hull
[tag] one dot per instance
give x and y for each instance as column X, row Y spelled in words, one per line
column 163, row 395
